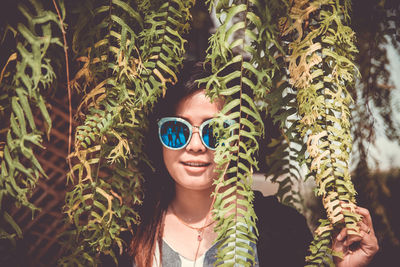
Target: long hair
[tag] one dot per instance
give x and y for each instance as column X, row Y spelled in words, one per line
column 159, row 187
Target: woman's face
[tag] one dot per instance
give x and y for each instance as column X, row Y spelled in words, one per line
column 192, row 167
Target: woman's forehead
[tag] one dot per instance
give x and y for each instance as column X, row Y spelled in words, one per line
column 199, row 105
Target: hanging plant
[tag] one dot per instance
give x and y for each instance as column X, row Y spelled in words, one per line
column 289, row 60
column 125, row 72
column 25, row 78
column 321, row 69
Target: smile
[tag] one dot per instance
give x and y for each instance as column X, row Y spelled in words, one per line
column 196, row 164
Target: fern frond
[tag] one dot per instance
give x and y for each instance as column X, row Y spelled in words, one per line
column 284, row 170
column 249, row 29
column 245, row 81
column 284, row 163
column 321, row 245
column 110, row 115
column 128, row 68
column 162, row 48
column 23, row 87
column 321, row 71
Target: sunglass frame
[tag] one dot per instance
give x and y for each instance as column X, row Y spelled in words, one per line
column 190, row 126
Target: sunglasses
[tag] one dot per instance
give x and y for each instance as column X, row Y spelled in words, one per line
column 175, row 133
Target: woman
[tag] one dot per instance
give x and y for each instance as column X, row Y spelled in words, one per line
column 177, row 227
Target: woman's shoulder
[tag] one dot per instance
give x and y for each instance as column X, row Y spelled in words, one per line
column 270, row 207
column 283, row 233
column 274, row 215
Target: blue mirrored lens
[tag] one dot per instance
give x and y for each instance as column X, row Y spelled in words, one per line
column 174, row 134
column 208, row 136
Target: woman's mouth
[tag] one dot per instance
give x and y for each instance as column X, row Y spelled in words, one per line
column 196, row 164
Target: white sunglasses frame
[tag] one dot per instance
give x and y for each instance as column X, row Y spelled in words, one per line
column 190, row 126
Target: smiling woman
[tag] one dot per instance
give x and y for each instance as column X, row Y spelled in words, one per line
column 192, row 167
column 177, row 228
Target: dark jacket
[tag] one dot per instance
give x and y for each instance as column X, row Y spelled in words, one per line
column 283, row 238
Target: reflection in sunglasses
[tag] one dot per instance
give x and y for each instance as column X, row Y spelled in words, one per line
column 175, row 133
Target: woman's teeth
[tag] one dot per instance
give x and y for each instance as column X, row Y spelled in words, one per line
column 196, row 164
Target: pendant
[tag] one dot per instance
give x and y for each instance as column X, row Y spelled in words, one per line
column 199, row 233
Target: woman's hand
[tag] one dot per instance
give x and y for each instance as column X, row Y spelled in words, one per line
column 366, row 248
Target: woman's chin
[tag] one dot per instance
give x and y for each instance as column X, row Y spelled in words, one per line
column 196, row 182
column 196, row 170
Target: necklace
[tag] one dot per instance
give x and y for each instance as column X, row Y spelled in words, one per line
column 199, row 230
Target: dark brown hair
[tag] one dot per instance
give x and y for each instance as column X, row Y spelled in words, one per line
column 159, row 186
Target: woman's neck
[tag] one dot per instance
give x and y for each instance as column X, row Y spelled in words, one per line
column 192, row 205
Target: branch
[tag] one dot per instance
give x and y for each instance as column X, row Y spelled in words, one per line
column 68, row 85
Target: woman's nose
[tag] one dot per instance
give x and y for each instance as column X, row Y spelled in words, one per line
column 195, row 143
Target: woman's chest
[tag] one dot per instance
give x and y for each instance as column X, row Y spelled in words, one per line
column 189, row 242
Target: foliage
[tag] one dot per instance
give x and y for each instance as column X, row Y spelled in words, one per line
column 232, row 208
column 25, row 77
column 321, row 69
column 140, row 51
column 282, row 165
column 291, row 61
